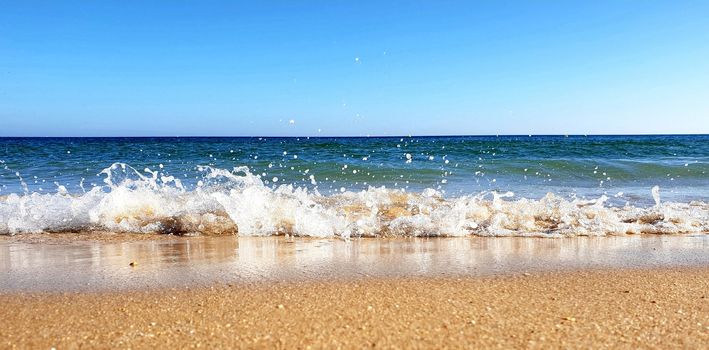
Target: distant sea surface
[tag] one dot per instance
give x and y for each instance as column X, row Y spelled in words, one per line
column 374, row 186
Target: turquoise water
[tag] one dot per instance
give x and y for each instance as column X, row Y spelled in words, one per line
column 622, row 168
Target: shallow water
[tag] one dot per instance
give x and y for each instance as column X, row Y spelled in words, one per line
column 351, row 187
column 104, row 265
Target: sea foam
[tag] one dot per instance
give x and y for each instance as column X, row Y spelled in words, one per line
column 238, row 202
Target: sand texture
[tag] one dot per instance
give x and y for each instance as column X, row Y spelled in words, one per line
column 629, row 308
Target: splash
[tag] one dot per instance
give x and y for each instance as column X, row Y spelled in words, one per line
column 238, row 202
column 656, row 195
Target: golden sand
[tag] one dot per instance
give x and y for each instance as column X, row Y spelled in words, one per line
column 663, row 308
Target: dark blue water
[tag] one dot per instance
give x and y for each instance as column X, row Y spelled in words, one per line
column 528, row 166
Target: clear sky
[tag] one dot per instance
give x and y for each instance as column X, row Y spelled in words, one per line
column 101, row 68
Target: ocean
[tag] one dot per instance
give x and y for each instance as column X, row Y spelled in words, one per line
column 546, row 186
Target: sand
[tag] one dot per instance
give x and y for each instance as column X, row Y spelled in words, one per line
column 628, row 308
column 80, row 291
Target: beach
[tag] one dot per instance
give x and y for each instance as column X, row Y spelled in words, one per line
column 663, row 308
column 349, row 175
column 138, row 291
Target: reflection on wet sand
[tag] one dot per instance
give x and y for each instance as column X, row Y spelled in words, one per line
column 178, row 262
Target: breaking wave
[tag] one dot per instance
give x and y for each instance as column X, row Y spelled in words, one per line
column 238, row 202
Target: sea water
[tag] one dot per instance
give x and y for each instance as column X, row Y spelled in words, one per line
column 352, row 187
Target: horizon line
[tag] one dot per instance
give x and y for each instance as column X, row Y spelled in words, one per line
column 362, row 136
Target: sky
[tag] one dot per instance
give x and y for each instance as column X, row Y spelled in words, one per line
column 353, row 68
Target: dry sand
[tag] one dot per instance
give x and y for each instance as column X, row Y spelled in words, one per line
column 628, row 308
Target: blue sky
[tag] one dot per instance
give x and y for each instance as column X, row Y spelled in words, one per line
column 138, row 68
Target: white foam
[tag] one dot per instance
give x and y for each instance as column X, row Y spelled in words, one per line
column 236, row 200
column 656, row 195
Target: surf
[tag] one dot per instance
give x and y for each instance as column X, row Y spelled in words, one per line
column 237, row 201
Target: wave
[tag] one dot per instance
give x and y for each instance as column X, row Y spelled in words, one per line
column 238, row 202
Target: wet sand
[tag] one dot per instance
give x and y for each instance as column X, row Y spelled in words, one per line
column 612, row 292
column 61, row 262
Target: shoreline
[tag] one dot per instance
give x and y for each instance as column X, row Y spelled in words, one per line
column 626, row 308
column 109, row 236
column 60, row 263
